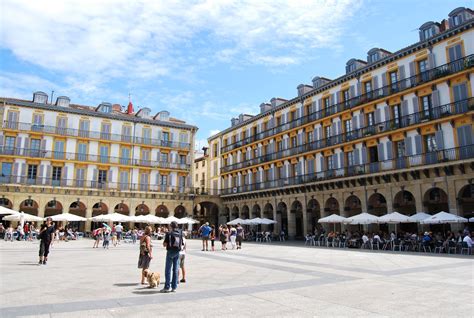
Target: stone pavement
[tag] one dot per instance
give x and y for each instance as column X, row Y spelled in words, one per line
column 260, row 280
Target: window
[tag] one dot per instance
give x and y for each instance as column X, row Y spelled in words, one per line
column 400, row 151
column 348, row 125
column 12, row 119
column 35, row 146
column 56, row 176
column 345, row 97
column 32, row 172
column 163, row 180
column 105, row 131
column 368, row 87
column 59, row 149
column 329, row 163
column 123, row 180
column 326, row 105
column 82, row 151
column 396, row 114
column 164, row 157
column 80, row 176
column 214, row 150
column 61, row 125
column 102, row 177
column 37, row 120
column 350, row 158
column 426, row 106
column 126, row 133
column 370, row 119
column 215, row 169
column 6, row 171
column 84, row 128
column 125, row 156
column 373, row 57
column 182, row 159
column 105, row 108
column 423, row 65
column 146, row 156
column 456, row 20
column 427, row 33
column 309, row 137
column 146, row 136
column 10, row 143
column 327, row 130
column 280, row 145
column 104, row 154
column 294, row 141
column 393, row 80
column 430, row 143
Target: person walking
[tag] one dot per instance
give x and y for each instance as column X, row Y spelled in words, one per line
column 233, row 236
column 134, row 235
column 212, row 236
column 47, row 236
column 173, row 242
column 106, row 238
column 205, row 230
column 182, row 257
column 146, row 250
column 223, row 236
column 119, row 231
column 240, row 236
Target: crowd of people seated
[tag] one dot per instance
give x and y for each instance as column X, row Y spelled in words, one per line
column 449, row 242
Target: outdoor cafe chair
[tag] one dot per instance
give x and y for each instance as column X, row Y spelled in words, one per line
column 425, row 246
column 309, row 240
column 397, row 244
column 439, row 247
column 375, row 243
column 452, row 246
column 466, row 248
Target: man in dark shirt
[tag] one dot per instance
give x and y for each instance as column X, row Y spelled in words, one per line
column 173, row 242
column 47, row 236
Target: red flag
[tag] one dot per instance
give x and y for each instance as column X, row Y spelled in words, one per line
column 130, row 108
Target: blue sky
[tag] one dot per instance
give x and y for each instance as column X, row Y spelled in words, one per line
column 204, row 61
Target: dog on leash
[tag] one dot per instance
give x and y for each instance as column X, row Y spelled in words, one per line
column 152, row 278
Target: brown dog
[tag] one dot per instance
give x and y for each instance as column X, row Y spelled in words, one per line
column 152, row 278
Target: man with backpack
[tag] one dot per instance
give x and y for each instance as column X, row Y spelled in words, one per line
column 173, row 242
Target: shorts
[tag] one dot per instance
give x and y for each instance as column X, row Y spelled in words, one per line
column 205, row 238
column 182, row 257
column 119, row 235
column 44, row 248
column 212, row 242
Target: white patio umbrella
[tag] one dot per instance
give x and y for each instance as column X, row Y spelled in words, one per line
column 266, row 221
column 6, row 211
column 471, row 219
column 420, row 216
column 170, row 219
column 113, row 217
column 236, row 221
column 443, row 218
column 68, row 217
column 395, row 218
column 333, row 218
column 255, row 221
column 187, row 220
column 26, row 217
column 362, row 218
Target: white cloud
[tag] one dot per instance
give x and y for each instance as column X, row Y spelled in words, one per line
column 213, row 132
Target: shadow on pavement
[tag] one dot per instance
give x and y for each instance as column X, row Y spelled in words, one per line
column 126, row 284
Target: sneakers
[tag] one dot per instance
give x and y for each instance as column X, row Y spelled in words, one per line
column 44, row 262
column 165, row 291
column 182, row 280
column 40, row 263
column 173, row 290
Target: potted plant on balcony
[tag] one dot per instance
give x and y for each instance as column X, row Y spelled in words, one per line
column 469, row 62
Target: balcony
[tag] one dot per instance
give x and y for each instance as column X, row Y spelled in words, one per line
column 59, row 155
column 385, row 91
column 419, row 160
column 78, row 133
column 382, row 127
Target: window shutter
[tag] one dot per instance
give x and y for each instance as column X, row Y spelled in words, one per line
column 359, row 88
column 339, row 127
column 18, row 149
column 111, row 175
column 412, row 68
column 64, row 176
column 404, row 109
column 352, row 91
column 1, row 140
column 49, row 171
column 439, row 139
column 452, row 54
column 416, row 108
column 389, row 150
column 334, row 161
column 364, row 155
column 171, row 136
column 332, row 99
column 408, row 146
column 378, row 116
column 341, row 160
column 39, row 177
column 27, row 143
column 300, row 139
column 401, row 73
column 320, row 133
column 23, row 170
column 15, row 171
column 94, row 175
column 384, row 79
column 333, row 129
column 418, row 144
column 435, row 98
column 320, row 104
column 375, row 82
column 354, row 123
column 431, row 61
column 388, row 113
column 465, row 135
column 356, row 157
column 361, row 120
column 321, row 163
column 43, row 145
column 380, row 151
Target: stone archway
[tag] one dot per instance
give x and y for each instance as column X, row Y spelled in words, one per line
column 331, row 207
column 297, row 210
column 282, row 216
column 180, row 211
column 29, row 206
column 352, row 206
column 78, row 208
column 245, row 212
column 466, row 201
column 226, row 214
column 99, row 208
column 207, row 211
column 162, row 211
column 53, row 207
column 404, row 203
column 268, row 214
column 235, row 212
column 435, row 200
column 5, row 202
column 313, row 210
column 377, row 204
column 256, row 212
column 122, row 208
column 142, row 209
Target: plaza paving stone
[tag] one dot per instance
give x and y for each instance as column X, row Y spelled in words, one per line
column 262, row 279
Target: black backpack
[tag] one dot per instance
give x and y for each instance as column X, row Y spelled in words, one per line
column 175, row 240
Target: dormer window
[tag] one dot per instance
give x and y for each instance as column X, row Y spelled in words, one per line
column 105, row 108
column 456, row 20
column 63, row 101
column 373, row 57
column 163, row 116
column 428, row 33
column 40, row 98
column 143, row 112
column 428, row 30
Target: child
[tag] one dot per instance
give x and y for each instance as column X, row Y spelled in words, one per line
column 182, row 257
column 106, row 239
column 213, row 237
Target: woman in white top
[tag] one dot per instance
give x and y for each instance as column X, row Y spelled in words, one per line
column 233, row 236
